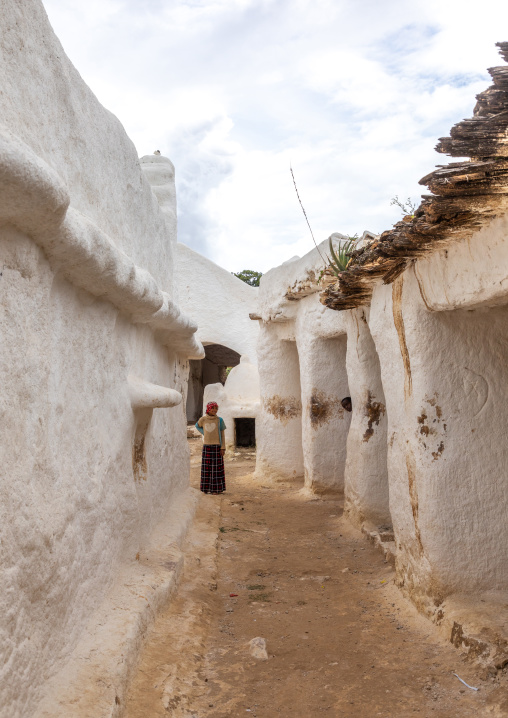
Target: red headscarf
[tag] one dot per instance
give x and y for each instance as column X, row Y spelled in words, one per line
column 211, row 405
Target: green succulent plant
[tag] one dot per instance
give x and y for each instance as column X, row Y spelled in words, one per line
column 340, row 258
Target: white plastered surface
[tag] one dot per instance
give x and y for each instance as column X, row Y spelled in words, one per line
column 218, row 302
column 92, row 359
column 239, row 398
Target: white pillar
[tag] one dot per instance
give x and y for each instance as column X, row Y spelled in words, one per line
column 325, row 424
column 279, row 428
column 366, row 482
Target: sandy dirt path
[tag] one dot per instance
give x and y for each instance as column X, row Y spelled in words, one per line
column 340, row 639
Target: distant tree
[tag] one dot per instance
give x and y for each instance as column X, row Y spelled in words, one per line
column 249, row 277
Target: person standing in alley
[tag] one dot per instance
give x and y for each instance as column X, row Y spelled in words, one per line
column 213, row 479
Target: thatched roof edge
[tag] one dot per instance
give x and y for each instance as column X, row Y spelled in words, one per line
column 465, row 196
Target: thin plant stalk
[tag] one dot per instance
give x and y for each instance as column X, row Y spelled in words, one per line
column 305, row 213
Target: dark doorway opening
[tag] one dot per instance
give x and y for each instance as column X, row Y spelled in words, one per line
column 245, row 432
column 210, row 370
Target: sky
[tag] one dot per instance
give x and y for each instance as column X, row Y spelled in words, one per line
column 353, row 94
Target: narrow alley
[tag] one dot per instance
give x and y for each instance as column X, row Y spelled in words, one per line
column 340, row 639
column 158, row 268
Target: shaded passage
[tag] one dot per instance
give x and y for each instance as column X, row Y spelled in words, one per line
column 340, row 640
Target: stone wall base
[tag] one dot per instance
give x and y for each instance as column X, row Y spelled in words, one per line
column 477, row 625
column 96, row 678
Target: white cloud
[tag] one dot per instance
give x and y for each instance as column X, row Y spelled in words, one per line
column 354, row 93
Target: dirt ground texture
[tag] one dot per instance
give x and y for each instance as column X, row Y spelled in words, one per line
column 266, row 561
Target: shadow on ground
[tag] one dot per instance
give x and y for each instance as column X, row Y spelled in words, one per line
column 266, row 561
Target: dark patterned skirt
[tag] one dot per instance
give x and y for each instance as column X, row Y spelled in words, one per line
column 213, row 480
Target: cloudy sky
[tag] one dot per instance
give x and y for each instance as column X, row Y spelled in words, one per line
column 352, row 93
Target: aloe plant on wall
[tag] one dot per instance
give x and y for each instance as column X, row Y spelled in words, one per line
column 340, row 258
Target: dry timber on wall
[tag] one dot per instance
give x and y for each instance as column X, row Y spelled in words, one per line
column 465, row 195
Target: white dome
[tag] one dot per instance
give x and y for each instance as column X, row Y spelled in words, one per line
column 242, row 384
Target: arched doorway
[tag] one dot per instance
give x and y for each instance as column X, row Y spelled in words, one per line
column 210, row 370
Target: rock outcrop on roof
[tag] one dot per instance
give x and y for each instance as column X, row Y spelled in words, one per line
column 465, row 195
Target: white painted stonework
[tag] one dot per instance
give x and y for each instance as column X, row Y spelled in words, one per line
column 218, row 302
column 422, row 458
column 238, row 399
column 366, row 477
column 93, row 363
column 279, row 426
column 302, row 428
column 160, row 173
column 102, row 313
column 442, row 376
column 467, row 274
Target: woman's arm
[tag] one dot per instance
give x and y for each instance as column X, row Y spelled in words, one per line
column 222, row 427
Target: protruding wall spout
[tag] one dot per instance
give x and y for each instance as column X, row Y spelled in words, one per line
column 151, row 396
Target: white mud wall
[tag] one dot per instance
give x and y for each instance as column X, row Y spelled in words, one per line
column 92, row 356
column 160, row 173
column 441, row 372
column 468, row 273
column 302, row 429
column 46, row 104
column 366, row 481
column 218, row 302
column 426, row 371
column 322, row 342
column 279, row 426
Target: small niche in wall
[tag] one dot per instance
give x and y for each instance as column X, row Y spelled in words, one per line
column 245, row 432
column 139, row 465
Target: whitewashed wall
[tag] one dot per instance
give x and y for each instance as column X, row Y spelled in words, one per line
column 366, row 476
column 302, row 364
column 279, row 426
column 426, row 370
column 322, row 343
column 92, row 358
column 443, row 374
column 218, row 302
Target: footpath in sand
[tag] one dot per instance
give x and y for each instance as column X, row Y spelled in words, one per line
column 265, row 561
